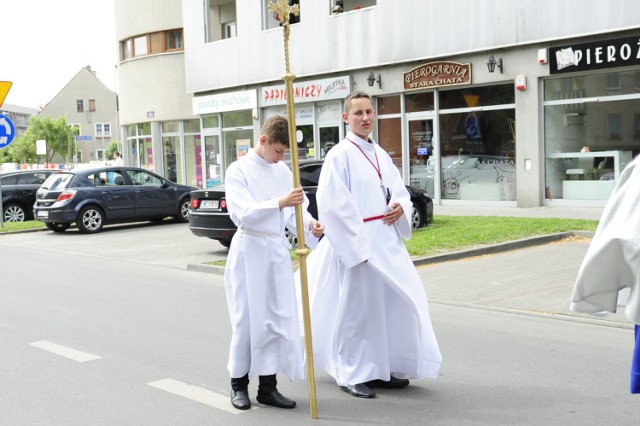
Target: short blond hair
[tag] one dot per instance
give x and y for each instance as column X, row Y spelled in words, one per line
column 276, row 129
column 359, row 94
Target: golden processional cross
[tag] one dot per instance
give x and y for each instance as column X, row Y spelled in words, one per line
column 283, row 9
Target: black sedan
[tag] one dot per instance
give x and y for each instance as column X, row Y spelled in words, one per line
column 208, row 216
column 92, row 198
column 19, row 192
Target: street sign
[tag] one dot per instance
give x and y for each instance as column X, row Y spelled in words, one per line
column 83, row 138
column 4, row 89
column 7, row 131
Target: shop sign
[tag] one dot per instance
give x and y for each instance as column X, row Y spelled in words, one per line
column 595, row 55
column 437, row 74
column 308, row 91
column 232, row 101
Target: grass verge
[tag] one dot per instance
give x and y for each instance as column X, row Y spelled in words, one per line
column 453, row 233
column 21, row 226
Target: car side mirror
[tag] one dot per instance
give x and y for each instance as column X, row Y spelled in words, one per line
column 165, row 184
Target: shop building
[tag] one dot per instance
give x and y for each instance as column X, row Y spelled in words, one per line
column 478, row 102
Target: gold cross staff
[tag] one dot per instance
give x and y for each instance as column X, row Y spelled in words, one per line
column 283, row 10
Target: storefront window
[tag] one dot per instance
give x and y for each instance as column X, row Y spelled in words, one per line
column 237, row 134
column 388, row 105
column 478, row 155
column 329, row 137
column 172, row 158
column 139, row 141
column 418, row 102
column 193, row 160
column 210, row 122
column 589, row 140
column 390, row 139
column 477, row 96
column 420, row 151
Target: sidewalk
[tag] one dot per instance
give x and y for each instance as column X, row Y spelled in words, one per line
column 532, row 276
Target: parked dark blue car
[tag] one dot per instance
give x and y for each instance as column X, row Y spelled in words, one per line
column 94, row 197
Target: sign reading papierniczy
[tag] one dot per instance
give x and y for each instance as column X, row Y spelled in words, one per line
column 595, row 55
column 437, row 74
column 308, row 91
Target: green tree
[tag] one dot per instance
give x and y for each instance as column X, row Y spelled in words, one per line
column 113, row 147
column 57, row 133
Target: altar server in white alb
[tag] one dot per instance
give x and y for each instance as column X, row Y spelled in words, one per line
column 612, row 262
column 259, row 276
column 369, row 312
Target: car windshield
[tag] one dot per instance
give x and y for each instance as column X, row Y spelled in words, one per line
column 57, row 181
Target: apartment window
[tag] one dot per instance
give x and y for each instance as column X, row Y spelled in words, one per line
column 80, row 105
column 100, row 154
column 220, row 20
column 92, row 105
column 103, row 130
column 127, row 49
column 174, row 40
column 272, row 20
column 140, row 47
column 339, row 6
column 152, row 43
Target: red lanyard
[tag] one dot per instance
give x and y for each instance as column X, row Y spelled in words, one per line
column 368, row 159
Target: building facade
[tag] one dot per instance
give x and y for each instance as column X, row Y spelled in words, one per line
column 19, row 116
column 89, row 107
column 521, row 103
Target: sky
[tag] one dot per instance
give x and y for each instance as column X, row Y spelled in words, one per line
column 45, row 43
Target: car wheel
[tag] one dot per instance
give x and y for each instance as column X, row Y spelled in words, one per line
column 90, row 220
column 416, row 217
column 57, row 227
column 183, row 211
column 225, row 243
column 14, row 213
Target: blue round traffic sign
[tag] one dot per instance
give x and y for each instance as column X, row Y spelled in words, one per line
column 7, row 131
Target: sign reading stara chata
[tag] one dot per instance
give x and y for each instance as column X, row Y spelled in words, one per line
column 437, row 74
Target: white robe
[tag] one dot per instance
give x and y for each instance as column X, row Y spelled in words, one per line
column 369, row 320
column 612, row 262
column 259, row 280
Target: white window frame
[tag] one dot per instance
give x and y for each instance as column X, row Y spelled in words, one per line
column 102, row 130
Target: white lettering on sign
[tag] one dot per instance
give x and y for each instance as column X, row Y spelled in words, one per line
column 232, row 101
column 599, row 56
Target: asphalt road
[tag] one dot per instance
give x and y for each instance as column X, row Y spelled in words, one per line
column 112, row 329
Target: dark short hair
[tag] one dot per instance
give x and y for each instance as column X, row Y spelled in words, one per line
column 276, row 128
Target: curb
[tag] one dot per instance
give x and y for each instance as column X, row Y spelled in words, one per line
column 455, row 255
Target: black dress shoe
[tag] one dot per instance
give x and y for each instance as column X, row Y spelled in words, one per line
column 394, row 383
column 276, row 399
column 360, row 390
column 240, row 399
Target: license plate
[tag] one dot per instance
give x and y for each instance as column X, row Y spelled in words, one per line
column 210, row 204
column 42, row 213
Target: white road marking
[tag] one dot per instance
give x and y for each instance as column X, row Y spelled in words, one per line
column 195, row 393
column 65, row 351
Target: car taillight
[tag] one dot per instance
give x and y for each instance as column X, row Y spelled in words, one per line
column 223, row 204
column 195, row 203
column 67, row 194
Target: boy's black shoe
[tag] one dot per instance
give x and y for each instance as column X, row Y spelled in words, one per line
column 276, row 399
column 240, row 399
column 394, row 383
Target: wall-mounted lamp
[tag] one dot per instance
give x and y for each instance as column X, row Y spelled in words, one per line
column 491, row 65
column 372, row 79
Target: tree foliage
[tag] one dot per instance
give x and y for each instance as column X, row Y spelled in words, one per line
column 57, row 133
